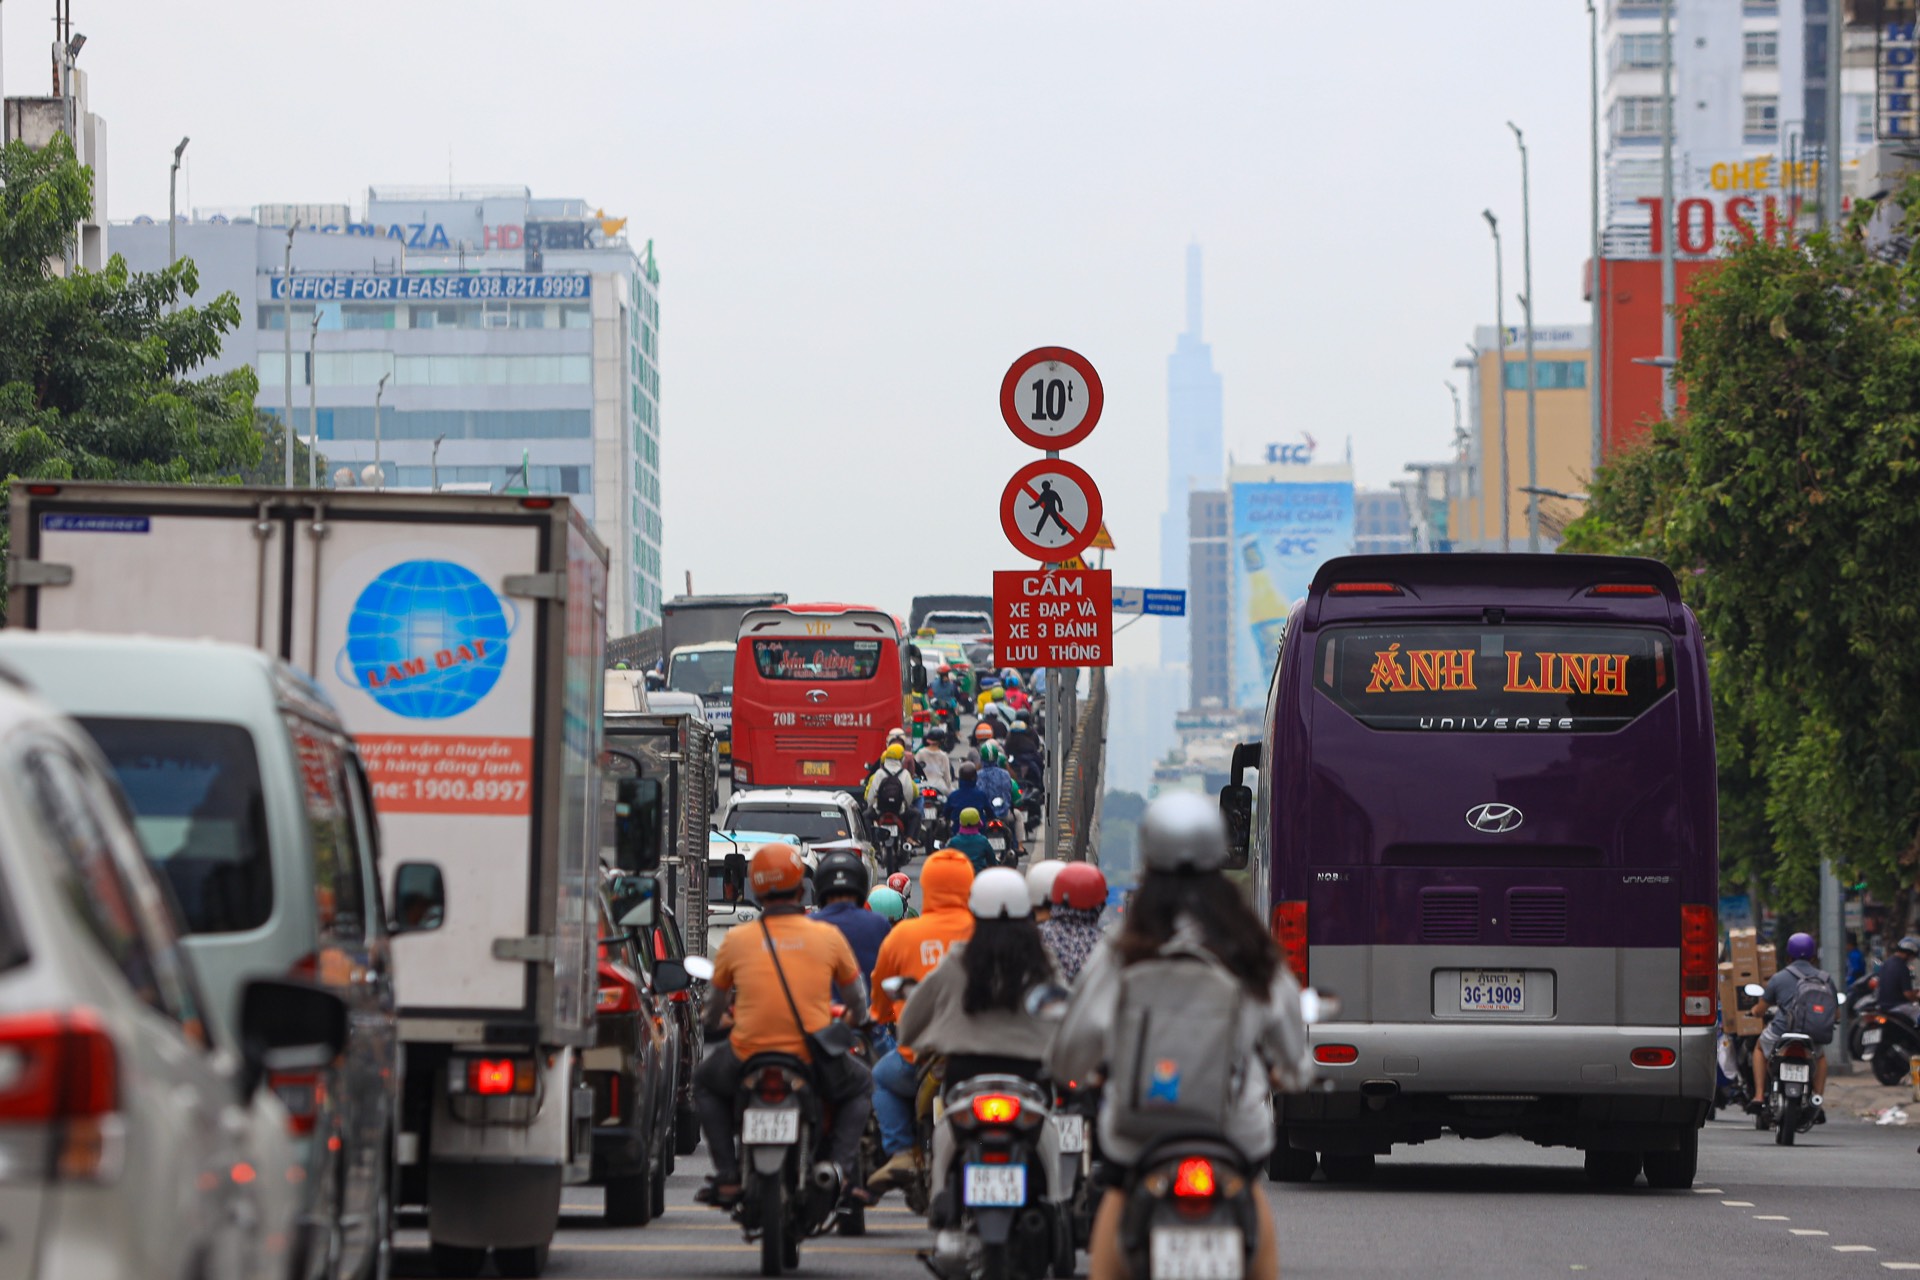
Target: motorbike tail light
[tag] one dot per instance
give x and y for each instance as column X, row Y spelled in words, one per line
column 1194, row 1179
column 1336, row 1055
column 1796, row 1049
column 1652, row 1056
column 491, row 1077
column 772, row 1086
column 996, row 1108
column 1699, row 952
column 1290, row 931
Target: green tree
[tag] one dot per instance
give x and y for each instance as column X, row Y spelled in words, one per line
column 1787, row 496
column 97, row 369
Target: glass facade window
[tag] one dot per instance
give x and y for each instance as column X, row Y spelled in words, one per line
column 274, row 316
column 538, row 479
column 1637, row 51
column 1638, row 117
column 356, row 423
column 363, row 369
column 1549, row 375
column 1762, row 49
column 366, row 317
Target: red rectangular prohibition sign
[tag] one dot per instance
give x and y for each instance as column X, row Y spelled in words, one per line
column 1062, row 618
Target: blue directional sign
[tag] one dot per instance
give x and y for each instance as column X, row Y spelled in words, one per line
column 1156, row 601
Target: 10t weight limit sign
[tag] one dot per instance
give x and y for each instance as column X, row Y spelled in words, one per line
column 1051, row 398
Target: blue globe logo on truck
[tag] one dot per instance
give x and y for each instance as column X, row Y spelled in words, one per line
column 427, row 639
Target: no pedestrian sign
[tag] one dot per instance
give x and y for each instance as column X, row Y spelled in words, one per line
column 1050, row 510
column 1053, row 618
column 1051, row 398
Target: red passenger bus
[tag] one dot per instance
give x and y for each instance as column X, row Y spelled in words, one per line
column 816, row 688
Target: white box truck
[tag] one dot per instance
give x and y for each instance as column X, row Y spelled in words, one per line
column 461, row 639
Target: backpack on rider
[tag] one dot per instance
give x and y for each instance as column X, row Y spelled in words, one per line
column 1814, row 1008
column 890, row 793
column 1170, row 1047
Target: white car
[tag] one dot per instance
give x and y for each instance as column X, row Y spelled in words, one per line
column 131, row 1144
column 816, row 816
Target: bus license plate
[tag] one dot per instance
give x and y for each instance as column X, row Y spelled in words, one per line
column 816, row 768
column 769, row 1126
column 1491, row 991
column 1198, row 1253
column 1795, row 1072
column 1870, row 1038
column 1071, row 1131
column 996, row 1186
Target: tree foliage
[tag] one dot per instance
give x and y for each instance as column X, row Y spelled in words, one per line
column 98, row 369
column 1787, row 497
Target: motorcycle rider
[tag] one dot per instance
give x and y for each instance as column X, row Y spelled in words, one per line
column 967, row 795
column 1079, row 894
column 994, row 779
column 999, row 713
column 912, row 950
column 972, row 1007
column 971, row 842
column 1185, row 906
column 1894, row 983
column 840, row 884
column 1040, row 877
column 943, row 689
column 936, row 766
column 1781, row 988
column 887, row 904
column 891, row 789
column 1017, row 697
column 815, row 958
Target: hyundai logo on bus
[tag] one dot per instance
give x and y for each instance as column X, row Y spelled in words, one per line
column 1494, row 819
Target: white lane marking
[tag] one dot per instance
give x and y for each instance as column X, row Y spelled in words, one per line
column 1771, row 1217
column 1708, row 1191
column 1901, row 1266
column 1854, row 1248
column 1738, row 1204
column 1805, row 1231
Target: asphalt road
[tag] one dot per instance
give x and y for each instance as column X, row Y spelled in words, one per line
column 1843, row 1202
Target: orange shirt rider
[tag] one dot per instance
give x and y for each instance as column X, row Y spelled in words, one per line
column 813, row 956
column 913, row 947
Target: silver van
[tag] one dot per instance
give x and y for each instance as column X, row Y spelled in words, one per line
column 253, row 805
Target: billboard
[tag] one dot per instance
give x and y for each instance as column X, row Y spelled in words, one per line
column 1283, row 528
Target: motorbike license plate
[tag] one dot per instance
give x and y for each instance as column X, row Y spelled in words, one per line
column 1071, row 1132
column 770, row 1126
column 1198, row 1253
column 1870, row 1038
column 1492, row 991
column 996, row 1186
column 1795, row 1072
column 816, row 768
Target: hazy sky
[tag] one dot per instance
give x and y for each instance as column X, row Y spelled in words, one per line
column 863, row 212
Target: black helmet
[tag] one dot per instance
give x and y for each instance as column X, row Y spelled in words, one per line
column 841, row 872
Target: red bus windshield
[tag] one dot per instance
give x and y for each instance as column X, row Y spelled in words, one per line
column 788, row 659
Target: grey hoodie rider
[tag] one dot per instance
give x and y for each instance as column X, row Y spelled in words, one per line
column 1270, row 1040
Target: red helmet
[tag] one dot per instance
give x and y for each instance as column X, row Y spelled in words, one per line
column 776, row 868
column 900, row 882
column 1080, row 886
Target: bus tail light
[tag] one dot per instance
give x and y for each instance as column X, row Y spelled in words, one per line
column 1699, row 936
column 1624, row 589
column 1290, row 931
column 1367, row 589
column 1336, row 1055
column 1652, row 1056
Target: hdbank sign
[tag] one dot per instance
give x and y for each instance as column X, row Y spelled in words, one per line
column 427, row 639
column 1281, row 534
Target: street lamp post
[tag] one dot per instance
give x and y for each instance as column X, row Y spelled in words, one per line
column 1594, row 410
column 173, row 183
column 286, row 426
column 1668, row 223
column 434, row 462
column 1500, row 329
column 1526, row 269
column 313, row 404
column 379, row 393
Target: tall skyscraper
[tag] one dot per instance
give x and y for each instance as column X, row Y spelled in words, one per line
column 1195, row 450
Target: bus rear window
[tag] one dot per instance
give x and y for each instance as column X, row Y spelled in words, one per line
column 796, row 659
column 1495, row 678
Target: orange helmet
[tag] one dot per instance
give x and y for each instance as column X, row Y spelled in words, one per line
column 982, row 731
column 776, row 868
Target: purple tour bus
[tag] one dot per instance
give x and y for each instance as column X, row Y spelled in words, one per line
column 1486, row 821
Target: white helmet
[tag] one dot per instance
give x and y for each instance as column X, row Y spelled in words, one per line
column 999, row 893
column 1040, row 880
column 1183, row 832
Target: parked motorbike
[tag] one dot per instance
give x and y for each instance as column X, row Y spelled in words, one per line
column 1889, row 1040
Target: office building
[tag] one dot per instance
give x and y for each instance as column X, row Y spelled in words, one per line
column 1207, row 603
column 1564, row 445
column 1195, row 449
column 1380, row 523
column 470, row 340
